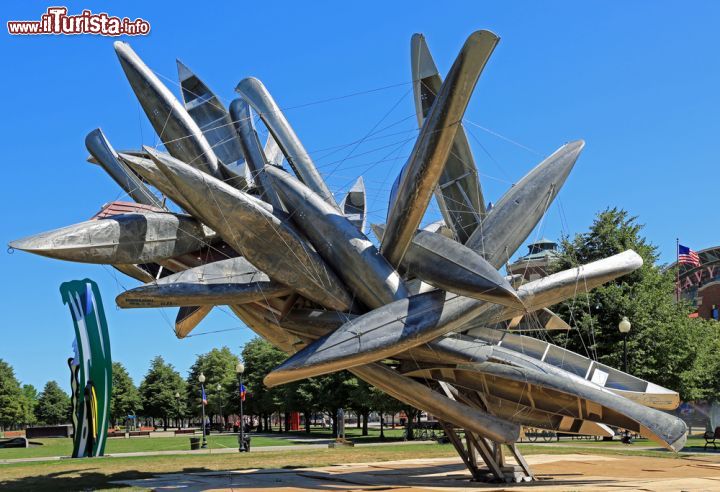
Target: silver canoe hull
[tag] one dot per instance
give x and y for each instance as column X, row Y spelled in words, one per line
column 400, row 387
column 103, row 153
column 255, row 93
column 458, row 192
column 128, row 238
column 188, row 318
column 439, row 261
column 176, row 129
column 231, row 281
column 253, row 151
column 210, row 114
column 264, row 239
column 513, row 218
column 354, row 205
column 146, row 168
column 554, row 392
column 421, row 173
column 340, row 243
column 407, row 323
column 631, row 387
column 450, row 266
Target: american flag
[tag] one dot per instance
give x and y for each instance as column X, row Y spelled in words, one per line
column 688, row 256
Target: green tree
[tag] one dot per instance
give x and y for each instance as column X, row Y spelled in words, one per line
column 11, row 397
column 260, row 358
column 412, row 414
column 665, row 346
column 383, row 403
column 334, row 394
column 360, row 400
column 218, row 366
column 125, row 396
column 158, row 388
column 30, row 400
column 303, row 396
column 53, row 405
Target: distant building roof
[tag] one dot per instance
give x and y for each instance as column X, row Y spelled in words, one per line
column 540, row 255
column 543, row 248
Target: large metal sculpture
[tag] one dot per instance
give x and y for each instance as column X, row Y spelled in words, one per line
column 419, row 317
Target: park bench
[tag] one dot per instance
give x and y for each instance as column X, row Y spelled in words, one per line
column 139, row 433
column 711, row 437
column 184, row 431
column 116, row 433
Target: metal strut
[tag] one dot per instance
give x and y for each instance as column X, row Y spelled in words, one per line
column 491, row 453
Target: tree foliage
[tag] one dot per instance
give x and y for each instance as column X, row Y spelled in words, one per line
column 218, row 366
column 334, row 393
column 11, row 397
column 125, row 396
column 30, row 400
column 665, row 346
column 260, row 358
column 53, row 405
column 158, row 389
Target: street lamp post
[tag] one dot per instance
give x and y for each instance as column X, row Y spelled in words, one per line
column 177, row 408
column 220, row 403
column 201, row 378
column 243, row 442
column 624, row 327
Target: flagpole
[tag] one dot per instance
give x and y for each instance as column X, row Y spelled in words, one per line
column 677, row 270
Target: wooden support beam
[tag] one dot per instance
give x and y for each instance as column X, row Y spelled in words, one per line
column 486, row 454
column 521, row 461
column 457, row 443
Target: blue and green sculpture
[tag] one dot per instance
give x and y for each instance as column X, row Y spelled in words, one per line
column 90, row 369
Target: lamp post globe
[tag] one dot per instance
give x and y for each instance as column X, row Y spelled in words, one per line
column 218, row 388
column 624, row 327
column 201, row 379
column 177, row 408
column 243, row 442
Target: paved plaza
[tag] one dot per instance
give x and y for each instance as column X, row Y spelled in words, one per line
column 554, row 473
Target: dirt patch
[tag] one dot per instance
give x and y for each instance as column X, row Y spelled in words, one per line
column 632, row 467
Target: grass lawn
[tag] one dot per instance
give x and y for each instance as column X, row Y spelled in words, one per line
column 97, row 473
column 63, row 446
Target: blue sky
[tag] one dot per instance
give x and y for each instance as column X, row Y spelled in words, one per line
column 638, row 80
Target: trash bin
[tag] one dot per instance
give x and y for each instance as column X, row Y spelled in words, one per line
column 194, row 443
